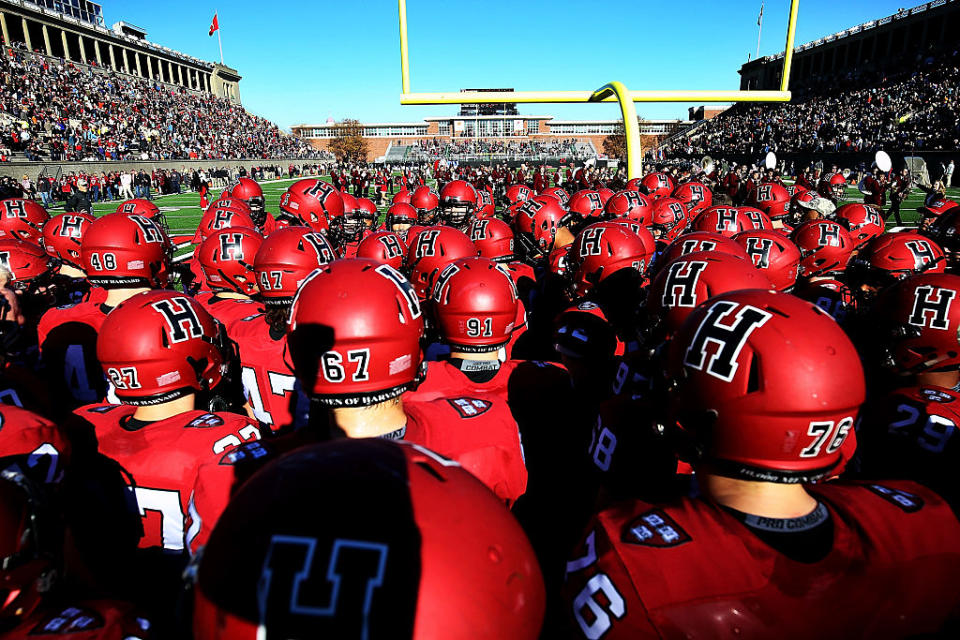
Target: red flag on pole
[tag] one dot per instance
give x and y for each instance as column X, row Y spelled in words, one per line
column 214, row 26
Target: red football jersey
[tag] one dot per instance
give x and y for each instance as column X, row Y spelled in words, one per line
column 68, row 346
column 443, row 380
column 269, row 225
column 162, row 460
column 271, row 389
column 479, row 432
column 228, row 310
column 34, row 445
column 690, row 569
column 85, row 620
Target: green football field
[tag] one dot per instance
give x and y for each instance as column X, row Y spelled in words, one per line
column 183, row 210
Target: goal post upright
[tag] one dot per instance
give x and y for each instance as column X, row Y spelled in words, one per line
column 613, row 91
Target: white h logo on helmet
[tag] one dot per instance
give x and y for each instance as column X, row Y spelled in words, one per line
column 728, row 338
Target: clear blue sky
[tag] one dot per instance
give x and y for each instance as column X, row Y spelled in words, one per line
column 304, row 61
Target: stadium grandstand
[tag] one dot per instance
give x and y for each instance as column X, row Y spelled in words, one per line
column 493, row 133
column 891, row 83
column 138, row 101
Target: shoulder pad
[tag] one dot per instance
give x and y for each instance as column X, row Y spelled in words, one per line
column 654, row 528
column 470, row 407
column 204, row 421
column 907, row 502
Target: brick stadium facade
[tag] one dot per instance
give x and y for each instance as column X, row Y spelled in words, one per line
column 75, row 31
column 506, row 126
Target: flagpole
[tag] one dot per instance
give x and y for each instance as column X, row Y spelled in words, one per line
column 220, row 41
column 759, row 31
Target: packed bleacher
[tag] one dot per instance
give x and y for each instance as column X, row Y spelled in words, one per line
column 57, row 110
column 910, row 103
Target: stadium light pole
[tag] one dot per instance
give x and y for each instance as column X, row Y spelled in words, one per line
column 609, row 95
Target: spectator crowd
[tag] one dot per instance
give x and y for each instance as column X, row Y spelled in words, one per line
column 454, row 149
column 912, row 105
column 56, row 110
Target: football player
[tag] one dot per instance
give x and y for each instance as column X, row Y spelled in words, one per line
column 281, row 264
column 747, row 552
column 62, row 239
column 226, row 257
column 251, row 194
column 125, row 255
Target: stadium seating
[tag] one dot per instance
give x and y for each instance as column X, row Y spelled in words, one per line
column 60, row 110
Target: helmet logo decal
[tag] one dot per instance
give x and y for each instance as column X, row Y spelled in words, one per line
column 392, row 246
column 683, row 276
column 755, row 218
column 934, row 310
column 726, row 219
column 449, row 271
column 596, row 202
column 394, row 276
column 222, row 218
column 427, row 243
column 829, row 235
column 478, row 231
column 691, row 246
column 325, row 253
column 355, row 570
column 759, row 250
column 590, row 242
column 70, row 227
column 729, row 339
column 151, row 233
column 231, row 246
column 184, row 323
column 922, row 253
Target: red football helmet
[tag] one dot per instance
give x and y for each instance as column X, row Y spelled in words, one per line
column 752, row 417
column 63, row 234
column 833, row 187
column 933, row 207
column 699, row 241
column 605, row 194
column 384, row 246
column 161, row 345
column 315, row 202
column 695, row 196
column 656, row 185
column 432, row 250
column 369, row 210
column 296, row 208
column 863, row 222
column 518, row 193
column 24, row 261
column 350, row 225
column 250, row 193
column 226, row 258
column 692, row 279
column 603, row 248
column 121, row 251
column 458, row 202
column 559, row 193
column 475, row 305
column 426, row 201
column 801, row 203
column 373, row 353
column 27, row 562
column 669, row 219
column 772, row 199
column 402, row 197
column 632, row 205
column 536, row 222
column 727, row 221
column 825, row 247
column 285, row 259
column 919, row 318
column 22, row 220
column 147, row 209
column 255, row 557
column 400, row 214
column 485, row 206
column 217, row 218
column 776, row 256
column 493, row 239
column 586, row 206
column 895, row 256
